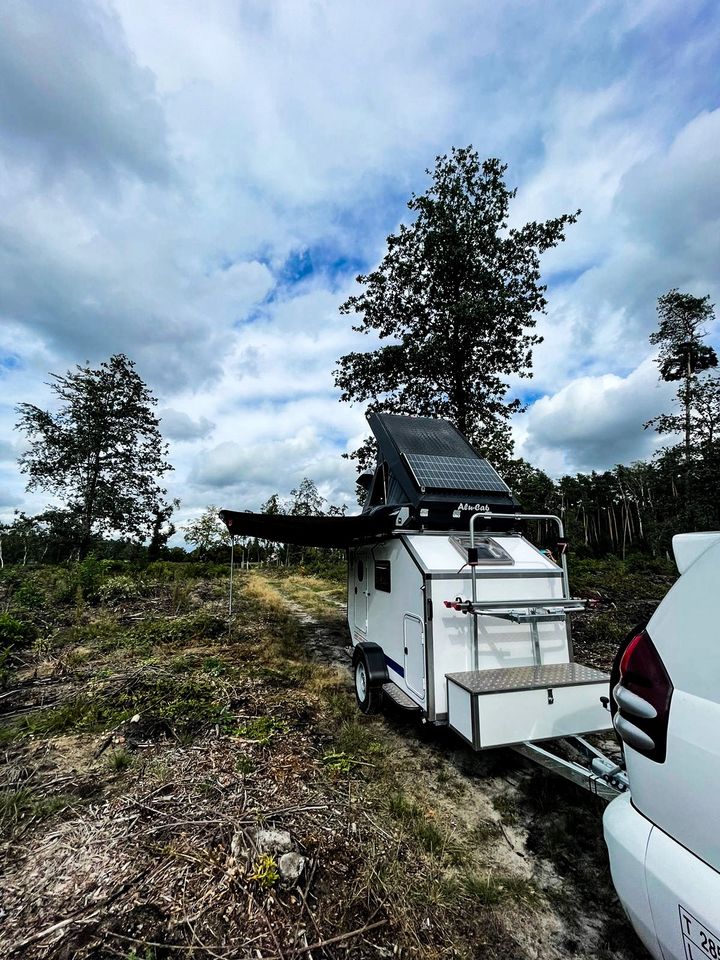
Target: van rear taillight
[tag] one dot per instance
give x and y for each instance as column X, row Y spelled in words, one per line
column 643, row 697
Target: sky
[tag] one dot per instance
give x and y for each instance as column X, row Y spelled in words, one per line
column 198, row 185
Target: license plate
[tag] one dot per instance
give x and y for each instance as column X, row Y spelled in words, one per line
column 699, row 942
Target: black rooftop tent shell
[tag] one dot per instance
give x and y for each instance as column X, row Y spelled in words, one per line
column 426, row 456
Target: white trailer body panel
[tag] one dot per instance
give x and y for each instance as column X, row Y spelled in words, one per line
column 436, row 553
column 393, row 588
column 397, row 591
column 501, row 644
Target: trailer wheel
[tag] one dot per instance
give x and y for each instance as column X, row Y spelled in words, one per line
column 368, row 687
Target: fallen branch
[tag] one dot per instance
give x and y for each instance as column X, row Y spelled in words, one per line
column 340, row 937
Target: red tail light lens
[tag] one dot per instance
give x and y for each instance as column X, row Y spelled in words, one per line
column 643, row 696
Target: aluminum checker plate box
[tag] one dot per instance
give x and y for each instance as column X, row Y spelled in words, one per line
column 493, row 708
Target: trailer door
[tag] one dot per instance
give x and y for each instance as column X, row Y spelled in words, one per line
column 361, row 594
column 414, row 636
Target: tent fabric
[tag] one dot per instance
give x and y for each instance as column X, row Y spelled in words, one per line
column 339, row 532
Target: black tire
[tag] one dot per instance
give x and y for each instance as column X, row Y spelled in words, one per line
column 368, row 692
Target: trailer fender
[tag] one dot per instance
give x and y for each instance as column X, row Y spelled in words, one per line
column 374, row 659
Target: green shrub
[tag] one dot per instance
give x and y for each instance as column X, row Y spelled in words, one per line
column 180, row 630
column 90, row 574
column 604, row 629
column 262, row 729
column 119, row 587
column 29, row 596
column 15, row 634
column 6, row 671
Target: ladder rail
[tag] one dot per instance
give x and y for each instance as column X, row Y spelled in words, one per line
column 473, row 577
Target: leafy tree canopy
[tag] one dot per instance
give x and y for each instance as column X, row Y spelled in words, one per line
column 682, row 356
column 681, row 319
column 101, row 453
column 457, row 294
column 207, row 532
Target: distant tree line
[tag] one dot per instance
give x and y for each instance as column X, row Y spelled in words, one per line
column 210, row 539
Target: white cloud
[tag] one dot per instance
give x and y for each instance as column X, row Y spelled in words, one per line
column 73, row 94
column 176, row 425
column 593, row 423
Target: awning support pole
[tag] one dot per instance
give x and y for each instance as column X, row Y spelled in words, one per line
column 232, row 567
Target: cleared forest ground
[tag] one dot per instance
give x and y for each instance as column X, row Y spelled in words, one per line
column 159, row 764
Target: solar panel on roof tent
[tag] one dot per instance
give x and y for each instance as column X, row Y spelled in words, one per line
column 456, row 473
column 439, row 456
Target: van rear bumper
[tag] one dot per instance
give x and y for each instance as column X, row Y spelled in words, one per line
column 627, row 834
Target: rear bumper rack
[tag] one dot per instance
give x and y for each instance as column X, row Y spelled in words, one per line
column 519, row 611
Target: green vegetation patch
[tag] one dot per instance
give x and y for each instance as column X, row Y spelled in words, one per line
column 418, row 821
column 493, row 888
column 20, row 806
column 180, row 631
column 262, row 729
column 167, row 703
column 15, row 633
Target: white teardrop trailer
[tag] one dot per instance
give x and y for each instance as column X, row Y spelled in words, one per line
column 454, row 614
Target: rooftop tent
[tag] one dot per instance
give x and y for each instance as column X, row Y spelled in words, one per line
column 427, row 464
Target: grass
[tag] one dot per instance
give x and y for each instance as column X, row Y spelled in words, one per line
column 184, row 705
column 340, row 762
column 119, row 760
column 80, row 713
column 493, row 888
column 245, row 765
column 20, row 806
column 420, row 823
column 486, row 830
column 262, row 729
column 127, row 643
column 314, row 595
column 506, row 806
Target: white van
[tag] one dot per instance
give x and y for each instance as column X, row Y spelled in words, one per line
column 663, row 836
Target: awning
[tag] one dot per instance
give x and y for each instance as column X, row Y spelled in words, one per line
column 339, row 532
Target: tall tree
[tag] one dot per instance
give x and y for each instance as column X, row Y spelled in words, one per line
column 162, row 528
column 207, row 533
column 306, row 501
column 457, row 293
column 101, row 452
column 682, row 355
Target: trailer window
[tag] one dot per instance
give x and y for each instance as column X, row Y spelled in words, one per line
column 360, row 571
column 489, row 551
column 382, row 575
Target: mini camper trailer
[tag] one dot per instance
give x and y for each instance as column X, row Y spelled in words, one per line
column 454, row 614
